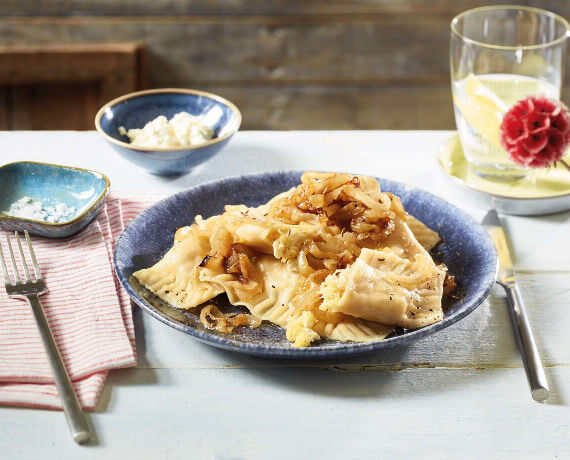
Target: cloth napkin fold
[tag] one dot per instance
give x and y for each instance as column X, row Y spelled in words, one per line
column 88, row 311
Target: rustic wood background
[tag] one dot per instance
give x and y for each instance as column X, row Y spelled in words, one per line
column 288, row 64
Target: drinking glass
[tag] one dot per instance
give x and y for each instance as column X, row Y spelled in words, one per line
column 500, row 55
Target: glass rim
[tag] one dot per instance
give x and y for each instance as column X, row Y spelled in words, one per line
column 471, row 41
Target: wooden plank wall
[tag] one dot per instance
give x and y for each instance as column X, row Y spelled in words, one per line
column 288, row 64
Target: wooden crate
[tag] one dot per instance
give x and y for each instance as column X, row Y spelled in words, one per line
column 62, row 86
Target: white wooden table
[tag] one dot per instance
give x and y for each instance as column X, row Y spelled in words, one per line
column 461, row 393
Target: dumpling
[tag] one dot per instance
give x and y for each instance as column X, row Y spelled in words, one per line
column 173, row 278
column 425, row 235
column 397, row 284
column 334, row 257
column 383, row 286
column 274, row 303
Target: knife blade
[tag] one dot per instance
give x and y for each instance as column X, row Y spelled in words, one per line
column 521, row 326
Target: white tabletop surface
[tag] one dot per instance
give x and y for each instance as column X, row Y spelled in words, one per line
column 461, row 393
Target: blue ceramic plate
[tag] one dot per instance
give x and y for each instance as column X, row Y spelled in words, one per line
column 468, row 252
column 79, row 188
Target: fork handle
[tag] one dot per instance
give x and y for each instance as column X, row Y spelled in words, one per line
column 71, row 407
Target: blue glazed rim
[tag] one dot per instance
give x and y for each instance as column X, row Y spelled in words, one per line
column 342, row 349
column 95, row 205
column 148, row 92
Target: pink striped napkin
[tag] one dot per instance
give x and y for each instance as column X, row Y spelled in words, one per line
column 89, row 314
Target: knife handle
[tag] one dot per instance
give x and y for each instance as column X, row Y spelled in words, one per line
column 531, row 359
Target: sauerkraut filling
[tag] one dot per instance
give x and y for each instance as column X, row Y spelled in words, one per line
column 334, row 257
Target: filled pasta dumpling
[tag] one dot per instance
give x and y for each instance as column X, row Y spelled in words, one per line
column 334, row 258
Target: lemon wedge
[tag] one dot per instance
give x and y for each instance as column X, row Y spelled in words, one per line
column 481, row 108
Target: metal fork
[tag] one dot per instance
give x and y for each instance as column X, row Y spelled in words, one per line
column 30, row 290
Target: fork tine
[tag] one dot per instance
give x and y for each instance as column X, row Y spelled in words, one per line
column 24, row 264
column 14, row 266
column 33, row 256
column 7, row 279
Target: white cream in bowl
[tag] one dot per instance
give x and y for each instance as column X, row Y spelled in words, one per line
column 183, row 130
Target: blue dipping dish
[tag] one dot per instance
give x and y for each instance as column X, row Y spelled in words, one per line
column 82, row 189
column 135, row 110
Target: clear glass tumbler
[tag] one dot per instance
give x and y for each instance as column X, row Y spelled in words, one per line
column 500, row 55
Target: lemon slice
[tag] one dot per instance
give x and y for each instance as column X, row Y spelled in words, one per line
column 482, row 109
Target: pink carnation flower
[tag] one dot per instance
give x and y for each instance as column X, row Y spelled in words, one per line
column 536, row 131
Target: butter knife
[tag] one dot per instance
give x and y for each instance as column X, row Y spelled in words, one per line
column 507, row 279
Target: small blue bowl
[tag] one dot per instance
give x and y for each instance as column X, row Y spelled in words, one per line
column 134, row 110
column 81, row 189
